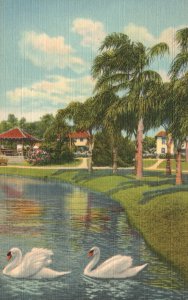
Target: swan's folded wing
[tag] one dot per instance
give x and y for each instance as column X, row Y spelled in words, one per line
column 116, row 264
column 109, row 260
column 35, row 260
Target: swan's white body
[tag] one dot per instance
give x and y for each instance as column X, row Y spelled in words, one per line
column 32, row 266
column 115, row 267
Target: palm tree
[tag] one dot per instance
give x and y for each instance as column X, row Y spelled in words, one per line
column 179, row 124
column 122, row 65
column 166, row 115
column 179, row 75
column 180, row 63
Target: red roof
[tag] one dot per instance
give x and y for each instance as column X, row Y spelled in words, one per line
column 79, row 135
column 161, row 134
column 17, row 134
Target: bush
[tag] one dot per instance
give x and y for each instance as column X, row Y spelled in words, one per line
column 166, row 155
column 59, row 153
column 66, row 154
column 38, row 157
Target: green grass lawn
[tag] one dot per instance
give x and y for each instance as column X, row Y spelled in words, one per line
column 149, row 162
column 154, row 205
column 24, row 163
column 74, row 163
column 173, row 165
column 41, row 173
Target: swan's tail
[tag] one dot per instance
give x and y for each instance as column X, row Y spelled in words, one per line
column 64, row 273
column 49, row 273
column 135, row 270
column 54, row 274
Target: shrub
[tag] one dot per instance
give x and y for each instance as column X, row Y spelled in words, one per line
column 166, row 155
column 59, row 153
column 38, row 157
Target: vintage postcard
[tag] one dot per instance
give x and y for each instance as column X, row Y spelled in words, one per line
column 94, row 149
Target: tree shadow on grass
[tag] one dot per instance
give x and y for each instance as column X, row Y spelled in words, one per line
column 150, row 195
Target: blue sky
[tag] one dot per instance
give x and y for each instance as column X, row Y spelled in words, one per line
column 47, row 47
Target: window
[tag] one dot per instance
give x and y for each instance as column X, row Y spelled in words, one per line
column 163, row 150
column 163, row 141
column 81, row 140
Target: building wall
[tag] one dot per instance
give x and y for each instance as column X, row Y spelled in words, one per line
column 161, row 147
column 80, row 142
column 161, row 144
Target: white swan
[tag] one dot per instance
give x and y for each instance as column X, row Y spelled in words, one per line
column 33, row 265
column 115, row 267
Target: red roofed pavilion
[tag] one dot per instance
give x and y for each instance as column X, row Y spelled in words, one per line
column 17, row 134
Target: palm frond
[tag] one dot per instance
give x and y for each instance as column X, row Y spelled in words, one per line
column 114, row 40
column 159, row 49
column 112, row 81
column 179, row 65
column 182, row 39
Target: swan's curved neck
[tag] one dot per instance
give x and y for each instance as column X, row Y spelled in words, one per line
column 13, row 264
column 92, row 263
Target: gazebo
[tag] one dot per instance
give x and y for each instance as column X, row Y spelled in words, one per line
column 19, row 136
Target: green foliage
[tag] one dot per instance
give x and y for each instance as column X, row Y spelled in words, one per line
column 59, row 152
column 102, row 152
column 149, row 144
column 179, row 65
column 11, row 122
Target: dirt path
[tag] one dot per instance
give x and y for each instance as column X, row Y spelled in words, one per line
column 155, row 166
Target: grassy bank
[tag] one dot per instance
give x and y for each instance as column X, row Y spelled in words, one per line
column 184, row 165
column 154, row 205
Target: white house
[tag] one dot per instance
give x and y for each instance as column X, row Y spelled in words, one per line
column 161, row 146
column 79, row 139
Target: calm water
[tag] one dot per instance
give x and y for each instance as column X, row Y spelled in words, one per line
column 70, row 220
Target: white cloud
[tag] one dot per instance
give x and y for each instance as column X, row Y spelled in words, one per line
column 92, row 32
column 49, row 52
column 56, row 89
column 142, row 34
column 139, row 33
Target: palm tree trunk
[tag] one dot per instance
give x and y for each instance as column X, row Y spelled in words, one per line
column 139, row 171
column 114, row 167
column 186, row 151
column 90, row 163
column 178, row 167
column 136, row 157
column 168, row 160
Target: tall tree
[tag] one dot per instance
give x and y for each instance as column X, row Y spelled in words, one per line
column 166, row 115
column 122, row 65
column 104, row 103
column 83, row 116
column 179, row 124
column 179, row 77
column 12, row 120
column 179, row 64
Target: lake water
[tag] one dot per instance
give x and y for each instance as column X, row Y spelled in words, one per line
column 70, row 220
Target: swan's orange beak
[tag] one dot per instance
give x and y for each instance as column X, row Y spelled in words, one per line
column 9, row 255
column 90, row 253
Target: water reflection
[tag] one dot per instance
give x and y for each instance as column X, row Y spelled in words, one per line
column 70, row 221
column 83, row 212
